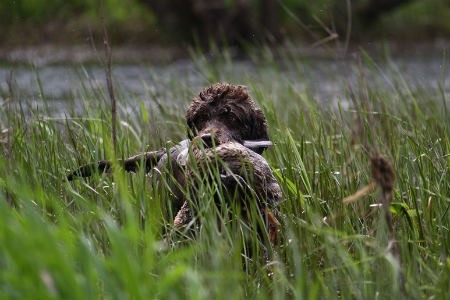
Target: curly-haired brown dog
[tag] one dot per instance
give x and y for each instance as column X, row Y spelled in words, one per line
column 227, row 131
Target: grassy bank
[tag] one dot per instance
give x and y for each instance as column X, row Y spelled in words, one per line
column 104, row 237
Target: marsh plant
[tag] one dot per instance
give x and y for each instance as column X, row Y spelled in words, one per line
column 112, row 237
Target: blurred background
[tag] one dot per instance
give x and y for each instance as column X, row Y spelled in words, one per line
column 237, row 23
column 55, row 47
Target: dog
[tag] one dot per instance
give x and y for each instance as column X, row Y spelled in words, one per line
column 226, row 132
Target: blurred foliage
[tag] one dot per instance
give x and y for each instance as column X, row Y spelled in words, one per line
column 37, row 11
column 42, row 11
column 75, row 20
column 221, row 20
column 419, row 18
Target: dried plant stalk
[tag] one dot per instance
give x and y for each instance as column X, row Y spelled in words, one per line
column 361, row 193
column 109, row 83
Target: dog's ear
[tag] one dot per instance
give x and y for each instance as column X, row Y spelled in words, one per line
column 190, row 131
column 256, row 117
column 191, row 113
column 194, row 119
column 259, row 129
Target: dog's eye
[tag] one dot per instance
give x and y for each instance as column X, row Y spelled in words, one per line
column 226, row 110
column 229, row 115
column 232, row 117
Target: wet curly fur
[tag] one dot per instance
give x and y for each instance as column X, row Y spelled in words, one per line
column 228, row 113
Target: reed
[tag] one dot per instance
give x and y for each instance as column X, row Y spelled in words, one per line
column 110, row 237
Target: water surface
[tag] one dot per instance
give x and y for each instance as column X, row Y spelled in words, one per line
column 325, row 80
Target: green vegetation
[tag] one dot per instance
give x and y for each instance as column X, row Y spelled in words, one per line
column 103, row 238
column 229, row 21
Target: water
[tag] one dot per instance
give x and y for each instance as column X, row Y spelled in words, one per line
column 326, row 80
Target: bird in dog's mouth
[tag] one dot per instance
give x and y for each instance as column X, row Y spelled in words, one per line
column 208, row 141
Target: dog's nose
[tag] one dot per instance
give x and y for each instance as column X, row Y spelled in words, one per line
column 208, row 140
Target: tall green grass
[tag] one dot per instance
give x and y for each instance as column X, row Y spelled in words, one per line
column 111, row 237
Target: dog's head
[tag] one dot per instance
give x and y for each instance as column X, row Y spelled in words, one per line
column 223, row 113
